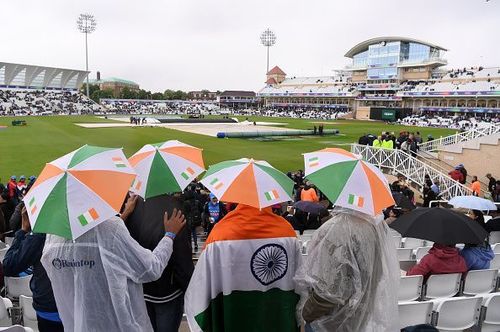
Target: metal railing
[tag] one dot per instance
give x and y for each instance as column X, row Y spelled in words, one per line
column 414, row 170
column 460, row 137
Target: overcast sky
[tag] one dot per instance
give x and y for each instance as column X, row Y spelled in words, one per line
column 214, row 44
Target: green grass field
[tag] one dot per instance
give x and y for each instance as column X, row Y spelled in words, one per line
column 25, row 150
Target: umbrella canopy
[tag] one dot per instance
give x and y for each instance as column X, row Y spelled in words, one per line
column 165, row 168
column 440, row 225
column 311, row 207
column 251, row 182
column 76, row 192
column 402, row 201
column 473, row 203
column 348, row 181
column 493, row 225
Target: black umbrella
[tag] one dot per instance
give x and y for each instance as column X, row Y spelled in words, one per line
column 311, row 207
column 402, row 201
column 440, row 225
column 493, row 225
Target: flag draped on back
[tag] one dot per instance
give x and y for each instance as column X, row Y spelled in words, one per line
column 243, row 280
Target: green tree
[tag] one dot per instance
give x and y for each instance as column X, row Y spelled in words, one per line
column 127, row 93
column 92, row 89
column 143, row 94
column 157, row 96
column 168, row 94
column 101, row 94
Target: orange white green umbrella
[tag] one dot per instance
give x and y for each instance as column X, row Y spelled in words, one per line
column 76, row 192
column 348, row 181
column 165, row 168
column 251, row 182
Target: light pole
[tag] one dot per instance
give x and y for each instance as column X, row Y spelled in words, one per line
column 86, row 24
column 268, row 39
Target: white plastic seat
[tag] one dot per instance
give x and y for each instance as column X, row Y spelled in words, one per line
column 3, row 245
column 397, row 241
column 495, row 237
column 2, row 253
column 491, row 308
column 17, row 286
column 309, row 232
column 413, row 243
column 414, row 313
column 410, row 288
column 5, row 306
column 16, row 328
column 29, row 314
column 496, row 248
column 305, row 245
column 480, row 282
column 442, row 285
column 405, row 254
column 495, row 262
column 421, row 252
column 457, row 314
column 9, row 240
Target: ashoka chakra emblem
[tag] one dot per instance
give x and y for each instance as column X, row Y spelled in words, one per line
column 269, row 263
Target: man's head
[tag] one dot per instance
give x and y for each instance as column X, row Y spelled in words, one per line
column 13, row 178
column 213, row 199
column 22, row 178
column 488, row 176
column 474, row 178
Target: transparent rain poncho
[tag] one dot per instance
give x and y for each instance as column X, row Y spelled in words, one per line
column 350, row 277
column 97, row 279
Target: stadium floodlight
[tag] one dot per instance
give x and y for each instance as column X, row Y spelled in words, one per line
column 268, row 39
column 86, row 24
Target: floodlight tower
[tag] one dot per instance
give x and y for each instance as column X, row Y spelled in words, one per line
column 268, row 39
column 86, row 24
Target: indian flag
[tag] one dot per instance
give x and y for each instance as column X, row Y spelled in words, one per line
column 271, row 195
column 137, row 184
column 87, row 217
column 356, row 200
column 187, row 173
column 119, row 162
column 243, row 280
column 313, row 162
column 32, row 205
column 216, row 183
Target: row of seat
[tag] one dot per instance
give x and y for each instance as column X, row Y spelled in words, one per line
column 454, row 314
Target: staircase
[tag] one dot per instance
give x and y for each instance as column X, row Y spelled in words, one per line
column 400, row 162
column 469, row 135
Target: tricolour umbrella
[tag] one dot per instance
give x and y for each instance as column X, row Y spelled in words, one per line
column 165, row 168
column 348, row 181
column 251, row 182
column 439, row 225
column 473, row 203
column 78, row 191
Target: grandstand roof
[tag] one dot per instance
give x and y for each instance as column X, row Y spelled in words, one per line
column 271, row 80
column 363, row 46
column 276, row 71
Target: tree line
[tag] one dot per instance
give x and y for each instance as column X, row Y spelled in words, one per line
column 96, row 93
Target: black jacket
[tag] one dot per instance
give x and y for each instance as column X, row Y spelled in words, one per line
column 26, row 251
column 145, row 225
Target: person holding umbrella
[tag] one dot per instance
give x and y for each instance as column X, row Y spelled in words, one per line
column 478, row 256
column 441, row 259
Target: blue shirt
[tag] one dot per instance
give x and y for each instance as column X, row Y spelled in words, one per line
column 52, row 316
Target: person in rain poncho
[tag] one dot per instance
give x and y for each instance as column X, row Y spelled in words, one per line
column 97, row 279
column 350, row 278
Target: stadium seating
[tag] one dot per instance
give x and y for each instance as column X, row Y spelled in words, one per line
column 480, row 282
column 413, row 243
column 5, row 307
column 17, row 286
column 457, row 314
column 414, row 313
column 490, row 311
column 397, row 240
column 421, row 252
column 442, row 285
column 405, row 254
column 410, row 288
column 29, row 314
column 495, row 237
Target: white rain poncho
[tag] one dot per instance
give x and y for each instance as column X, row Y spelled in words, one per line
column 97, row 279
column 349, row 280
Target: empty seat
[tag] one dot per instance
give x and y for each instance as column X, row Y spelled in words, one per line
column 442, row 285
column 5, row 306
column 2, row 253
column 16, row 328
column 413, row 243
column 495, row 237
column 397, row 241
column 29, row 314
column 8, row 240
column 3, row 245
column 414, row 313
column 496, row 248
column 480, row 282
column 405, row 254
column 410, row 288
column 421, row 252
column 457, row 314
column 309, row 232
column 17, row 286
column 491, row 310
column 495, row 262
column 305, row 245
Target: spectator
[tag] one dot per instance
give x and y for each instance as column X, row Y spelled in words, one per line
column 464, row 173
column 491, row 183
column 21, row 188
column 213, row 212
column 387, row 143
column 97, row 279
column 435, row 188
column 475, row 186
column 348, row 284
column 31, row 183
column 456, row 174
column 496, row 193
column 478, row 256
column 164, row 297
column 440, row 259
column 193, row 210
column 430, row 138
column 12, row 188
column 308, row 194
column 377, row 143
column 429, row 195
column 26, row 252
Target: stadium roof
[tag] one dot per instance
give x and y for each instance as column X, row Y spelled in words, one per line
column 40, row 77
column 115, row 80
column 363, row 46
column 276, row 71
column 271, row 80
